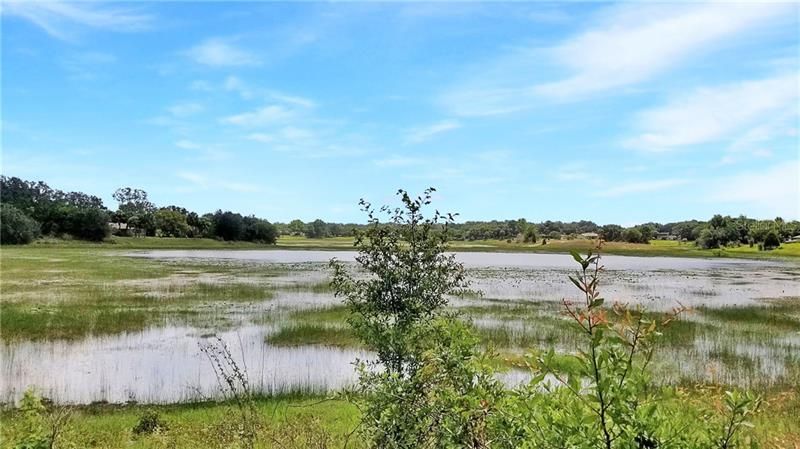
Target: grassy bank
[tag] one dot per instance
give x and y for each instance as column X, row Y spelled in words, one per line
column 290, row 423
column 655, row 248
column 311, row 423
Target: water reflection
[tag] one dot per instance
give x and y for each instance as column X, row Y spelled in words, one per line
column 162, row 365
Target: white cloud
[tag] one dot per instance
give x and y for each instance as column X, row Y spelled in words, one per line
column 185, row 109
column 771, row 192
column 641, row 187
column 188, row 145
column 265, row 116
column 712, row 114
column 626, row 45
column 219, row 53
column 422, row 134
column 398, row 161
column 637, row 43
column 63, row 20
column 261, row 137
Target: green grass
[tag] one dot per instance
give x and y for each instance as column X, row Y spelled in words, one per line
column 287, row 423
column 654, row 248
column 313, row 334
column 294, row 422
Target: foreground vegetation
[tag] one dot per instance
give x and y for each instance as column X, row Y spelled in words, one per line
column 315, row 423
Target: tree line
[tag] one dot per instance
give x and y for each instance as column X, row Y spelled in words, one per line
column 32, row 209
column 29, row 210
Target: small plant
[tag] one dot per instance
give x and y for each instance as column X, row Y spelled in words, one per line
column 235, row 387
column 607, row 399
column 41, row 428
column 149, row 422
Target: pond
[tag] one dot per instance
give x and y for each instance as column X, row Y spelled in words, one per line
column 164, row 364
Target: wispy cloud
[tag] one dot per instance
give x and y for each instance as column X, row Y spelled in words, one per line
column 419, row 135
column 716, row 113
column 624, row 46
column 264, row 116
column 396, row 161
column 199, row 182
column 631, row 44
column 64, row 20
column 218, row 52
column 185, row 109
column 774, row 191
column 641, row 187
column 248, row 92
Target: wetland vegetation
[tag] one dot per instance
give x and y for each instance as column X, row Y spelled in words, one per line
column 113, row 332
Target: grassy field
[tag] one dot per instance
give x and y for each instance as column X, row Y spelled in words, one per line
column 655, row 248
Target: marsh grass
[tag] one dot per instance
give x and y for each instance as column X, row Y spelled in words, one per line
column 314, row 334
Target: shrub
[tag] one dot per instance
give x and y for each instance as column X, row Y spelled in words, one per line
column 16, row 227
column 149, row 422
column 771, row 241
column 257, row 230
column 228, row 225
column 88, row 224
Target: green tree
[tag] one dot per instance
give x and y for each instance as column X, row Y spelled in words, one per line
column 529, row 234
column 228, row 225
column 633, row 235
column 88, row 224
column 258, row 230
column 297, row 227
column 317, row 229
column 412, row 274
column 136, row 210
column 611, row 232
column 16, row 227
column 772, row 241
column 171, row 223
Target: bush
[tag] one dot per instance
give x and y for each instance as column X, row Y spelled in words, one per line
column 257, row 230
column 88, row 224
column 633, row 235
column 16, row 227
column 149, row 422
column 228, row 225
column 772, row 241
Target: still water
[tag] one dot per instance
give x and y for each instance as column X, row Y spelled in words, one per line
column 165, row 364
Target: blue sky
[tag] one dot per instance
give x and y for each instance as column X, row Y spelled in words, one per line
column 618, row 113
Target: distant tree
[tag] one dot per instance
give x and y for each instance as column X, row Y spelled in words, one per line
column 529, row 235
column 135, row 209
column 633, row 235
column 228, row 225
column 611, row 233
column 297, row 227
column 648, row 232
column 89, row 223
column 554, row 235
column 16, row 227
column 171, row 222
column 258, row 230
column 317, row 229
column 772, row 241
